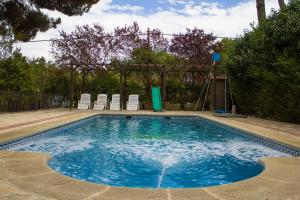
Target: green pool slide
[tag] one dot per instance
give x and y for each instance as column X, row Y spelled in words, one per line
column 156, row 99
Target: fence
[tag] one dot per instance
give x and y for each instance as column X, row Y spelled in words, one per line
column 11, row 101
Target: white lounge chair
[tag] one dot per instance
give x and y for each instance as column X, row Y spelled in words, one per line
column 85, row 102
column 133, row 103
column 115, row 102
column 101, row 102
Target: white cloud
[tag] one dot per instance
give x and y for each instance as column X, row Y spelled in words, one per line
column 106, row 5
column 211, row 17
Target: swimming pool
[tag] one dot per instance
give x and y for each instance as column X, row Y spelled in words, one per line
column 150, row 152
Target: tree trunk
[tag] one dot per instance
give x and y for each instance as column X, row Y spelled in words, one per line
column 261, row 11
column 83, row 84
column 193, row 79
column 281, row 4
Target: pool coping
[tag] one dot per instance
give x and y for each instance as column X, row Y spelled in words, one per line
column 25, row 174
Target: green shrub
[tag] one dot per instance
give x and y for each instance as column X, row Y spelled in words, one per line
column 264, row 65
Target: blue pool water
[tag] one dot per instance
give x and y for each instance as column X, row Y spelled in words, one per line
column 152, row 152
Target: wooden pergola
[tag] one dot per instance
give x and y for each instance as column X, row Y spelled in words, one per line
column 161, row 69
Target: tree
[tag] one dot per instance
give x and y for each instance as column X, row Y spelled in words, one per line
column 156, row 41
column 25, row 18
column 16, row 74
column 194, row 46
column 226, row 47
column 6, row 45
column 261, row 11
column 85, row 49
column 129, row 38
column 264, row 66
column 281, row 4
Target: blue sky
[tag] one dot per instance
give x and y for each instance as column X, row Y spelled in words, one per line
column 223, row 18
column 152, row 5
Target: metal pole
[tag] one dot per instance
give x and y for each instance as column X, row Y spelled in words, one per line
column 206, row 95
column 215, row 86
column 201, row 95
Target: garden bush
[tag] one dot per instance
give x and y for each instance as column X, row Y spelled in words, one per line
column 264, row 65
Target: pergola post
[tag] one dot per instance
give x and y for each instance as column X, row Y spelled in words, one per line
column 125, row 87
column 71, row 88
column 164, row 86
column 122, row 84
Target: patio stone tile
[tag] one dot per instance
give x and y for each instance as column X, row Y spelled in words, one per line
column 132, row 194
column 57, row 186
column 25, row 155
column 22, row 168
column 10, row 192
column 191, row 194
column 4, row 153
column 257, row 189
column 282, row 170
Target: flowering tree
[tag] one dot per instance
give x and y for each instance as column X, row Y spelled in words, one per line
column 157, row 41
column 85, row 49
column 129, row 38
column 194, row 46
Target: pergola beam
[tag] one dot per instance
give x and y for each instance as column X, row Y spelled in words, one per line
column 151, row 67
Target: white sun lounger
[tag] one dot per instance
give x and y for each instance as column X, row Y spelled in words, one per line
column 101, row 102
column 133, row 103
column 85, row 102
column 115, row 102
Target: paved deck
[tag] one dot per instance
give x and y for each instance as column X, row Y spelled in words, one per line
column 27, row 175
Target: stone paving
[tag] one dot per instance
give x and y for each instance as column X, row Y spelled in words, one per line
column 27, row 175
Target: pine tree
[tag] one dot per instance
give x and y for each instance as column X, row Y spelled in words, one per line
column 261, row 11
column 281, row 4
column 25, row 18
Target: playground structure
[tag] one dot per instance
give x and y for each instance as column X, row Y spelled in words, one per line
column 156, row 99
column 217, row 85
